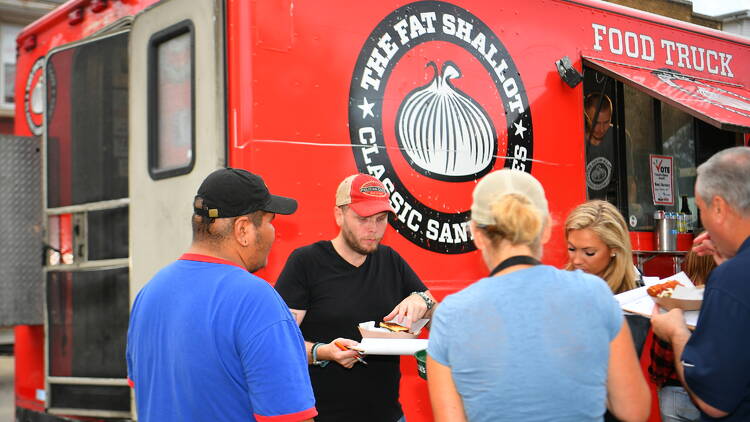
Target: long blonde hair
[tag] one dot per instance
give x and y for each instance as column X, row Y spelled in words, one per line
column 605, row 220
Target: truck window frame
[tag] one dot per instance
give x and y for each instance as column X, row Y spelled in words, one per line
column 79, row 212
column 156, row 40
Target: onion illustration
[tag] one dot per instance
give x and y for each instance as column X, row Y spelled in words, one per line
column 442, row 131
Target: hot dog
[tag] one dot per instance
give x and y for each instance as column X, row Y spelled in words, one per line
column 664, row 289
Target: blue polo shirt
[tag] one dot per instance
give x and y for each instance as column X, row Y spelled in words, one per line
column 209, row 341
column 717, row 357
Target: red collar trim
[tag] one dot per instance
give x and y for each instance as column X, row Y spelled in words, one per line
column 207, row 258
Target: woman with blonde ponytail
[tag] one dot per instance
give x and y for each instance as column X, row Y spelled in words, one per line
column 529, row 342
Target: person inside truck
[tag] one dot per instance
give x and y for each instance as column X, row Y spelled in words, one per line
column 332, row 286
column 600, row 152
column 712, row 361
column 208, row 340
column 530, row 341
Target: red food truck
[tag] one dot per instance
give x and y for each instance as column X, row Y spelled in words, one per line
column 124, row 106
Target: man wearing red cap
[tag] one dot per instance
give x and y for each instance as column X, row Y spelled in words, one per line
column 332, row 286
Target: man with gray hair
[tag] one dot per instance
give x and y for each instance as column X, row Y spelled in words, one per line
column 713, row 362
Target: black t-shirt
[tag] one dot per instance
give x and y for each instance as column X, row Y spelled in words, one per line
column 337, row 297
column 600, row 168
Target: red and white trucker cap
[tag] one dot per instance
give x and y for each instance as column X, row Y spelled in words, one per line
column 364, row 194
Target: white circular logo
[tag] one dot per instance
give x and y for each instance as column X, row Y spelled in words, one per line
column 34, row 96
column 598, row 173
column 435, row 92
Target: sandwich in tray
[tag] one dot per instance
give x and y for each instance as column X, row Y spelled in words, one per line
column 395, row 327
column 391, row 329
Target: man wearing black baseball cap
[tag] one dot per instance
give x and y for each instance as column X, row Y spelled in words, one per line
column 223, row 199
column 208, row 340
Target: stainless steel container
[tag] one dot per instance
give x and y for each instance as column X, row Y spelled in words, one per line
column 665, row 233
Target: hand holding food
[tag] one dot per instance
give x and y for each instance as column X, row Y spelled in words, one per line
column 669, row 325
column 412, row 308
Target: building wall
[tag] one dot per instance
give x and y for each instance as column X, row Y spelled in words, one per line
column 8, row 33
column 735, row 27
column 737, row 22
column 675, row 9
column 14, row 15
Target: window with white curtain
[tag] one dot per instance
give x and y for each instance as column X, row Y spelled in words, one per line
column 8, row 34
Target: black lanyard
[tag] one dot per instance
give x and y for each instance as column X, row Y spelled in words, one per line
column 513, row 261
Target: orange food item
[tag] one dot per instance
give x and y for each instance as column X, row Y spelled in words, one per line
column 393, row 326
column 657, row 289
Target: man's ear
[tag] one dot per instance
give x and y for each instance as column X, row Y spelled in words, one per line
column 720, row 208
column 338, row 214
column 723, row 212
column 244, row 230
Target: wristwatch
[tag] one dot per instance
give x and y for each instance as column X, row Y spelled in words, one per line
column 427, row 300
column 314, row 354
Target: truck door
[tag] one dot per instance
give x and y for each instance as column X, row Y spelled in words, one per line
column 85, row 153
column 177, row 123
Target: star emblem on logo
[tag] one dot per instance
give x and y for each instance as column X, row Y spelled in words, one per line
column 366, row 108
column 519, row 128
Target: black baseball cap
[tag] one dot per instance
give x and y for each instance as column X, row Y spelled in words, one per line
column 230, row 192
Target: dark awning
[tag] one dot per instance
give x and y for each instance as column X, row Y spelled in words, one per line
column 725, row 106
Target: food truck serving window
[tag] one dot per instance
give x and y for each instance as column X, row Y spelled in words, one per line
column 642, row 150
column 172, row 101
column 659, row 138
